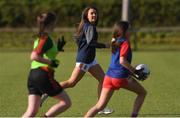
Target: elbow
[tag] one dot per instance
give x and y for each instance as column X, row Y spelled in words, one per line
column 34, row 56
column 121, row 62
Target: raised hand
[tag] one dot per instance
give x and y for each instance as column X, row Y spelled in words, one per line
column 60, row 44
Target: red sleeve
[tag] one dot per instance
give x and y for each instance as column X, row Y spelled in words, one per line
column 39, row 48
column 124, row 49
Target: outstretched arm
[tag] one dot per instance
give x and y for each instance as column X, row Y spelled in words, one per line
column 90, row 35
column 99, row 45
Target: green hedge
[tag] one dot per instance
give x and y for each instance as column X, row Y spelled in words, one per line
column 24, row 40
column 18, row 13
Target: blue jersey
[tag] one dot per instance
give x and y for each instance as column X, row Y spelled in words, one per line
column 87, row 52
column 116, row 70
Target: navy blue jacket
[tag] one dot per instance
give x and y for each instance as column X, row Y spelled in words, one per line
column 86, row 49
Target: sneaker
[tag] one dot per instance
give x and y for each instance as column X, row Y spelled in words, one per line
column 43, row 98
column 106, row 111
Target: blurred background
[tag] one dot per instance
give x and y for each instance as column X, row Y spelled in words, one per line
column 155, row 39
column 154, row 22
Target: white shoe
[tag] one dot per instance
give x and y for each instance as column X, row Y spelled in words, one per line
column 43, row 98
column 106, row 111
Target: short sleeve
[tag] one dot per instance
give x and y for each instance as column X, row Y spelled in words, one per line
column 124, row 48
column 44, row 45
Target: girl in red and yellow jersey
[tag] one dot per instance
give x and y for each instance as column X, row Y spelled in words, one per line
column 41, row 77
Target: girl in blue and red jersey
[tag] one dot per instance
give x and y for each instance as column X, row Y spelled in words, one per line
column 41, row 77
column 119, row 71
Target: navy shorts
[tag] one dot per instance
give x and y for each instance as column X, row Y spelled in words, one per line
column 41, row 81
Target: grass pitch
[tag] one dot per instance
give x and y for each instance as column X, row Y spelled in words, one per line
column 163, row 85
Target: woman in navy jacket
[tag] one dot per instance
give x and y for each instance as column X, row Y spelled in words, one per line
column 86, row 38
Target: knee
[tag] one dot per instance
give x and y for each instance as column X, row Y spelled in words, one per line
column 143, row 93
column 66, row 103
column 100, row 80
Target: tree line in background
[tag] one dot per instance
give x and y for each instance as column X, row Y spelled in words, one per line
column 143, row 13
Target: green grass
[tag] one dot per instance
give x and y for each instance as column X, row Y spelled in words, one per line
column 162, row 86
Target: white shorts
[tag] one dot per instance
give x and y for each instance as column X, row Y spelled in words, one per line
column 85, row 67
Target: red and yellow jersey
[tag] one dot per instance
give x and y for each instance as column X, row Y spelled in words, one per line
column 45, row 47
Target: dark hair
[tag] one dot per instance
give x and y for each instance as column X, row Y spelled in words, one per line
column 84, row 19
column 119, row 30
column 44, row 20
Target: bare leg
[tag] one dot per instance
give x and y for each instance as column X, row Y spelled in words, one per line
column 63, row 104
column 76, row 76
column 102, row 102
column 135, row 87
column 97, row 72
column 33, row 106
